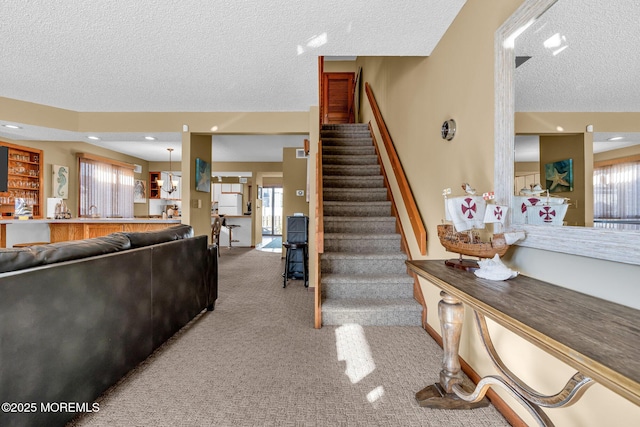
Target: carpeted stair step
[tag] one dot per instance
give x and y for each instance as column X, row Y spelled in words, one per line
column 351, row 242
column 338, row 286
column 345, row 133
column 363, row 263
column 382, row 312
column 364, row 127
column 359, row 224
column 346, row 150
column 360, row 159
column 357, row 208
column 353, row 182
column 346, row 142
column 349, row 194
column 351, row 170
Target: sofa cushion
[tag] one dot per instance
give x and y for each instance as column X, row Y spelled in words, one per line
column 147, row 238
column 76, row 249
column 17, row 259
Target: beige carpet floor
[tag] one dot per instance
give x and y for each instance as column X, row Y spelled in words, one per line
column 257, row 361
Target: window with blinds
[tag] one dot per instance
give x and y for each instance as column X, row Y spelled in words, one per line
column 106, row 187
column 617, row 194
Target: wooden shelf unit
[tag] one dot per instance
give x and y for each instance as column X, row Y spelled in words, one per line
column 24, row 180
column 154, row 189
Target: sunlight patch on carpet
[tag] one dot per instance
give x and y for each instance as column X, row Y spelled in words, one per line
column 353, row 349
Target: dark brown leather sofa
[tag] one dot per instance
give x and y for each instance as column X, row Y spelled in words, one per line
column 76, row 316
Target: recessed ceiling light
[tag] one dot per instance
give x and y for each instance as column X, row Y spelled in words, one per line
column 95, row 138
column 150, row 138
column 615, row 138
column 12, row 126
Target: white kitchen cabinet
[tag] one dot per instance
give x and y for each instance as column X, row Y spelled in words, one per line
column 231, row 188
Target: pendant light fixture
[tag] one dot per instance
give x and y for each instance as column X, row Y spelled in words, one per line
column 173, row 182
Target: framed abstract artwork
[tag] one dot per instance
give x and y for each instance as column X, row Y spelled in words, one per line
column 140, row 191
column 559, row 176
column 203, row 175
column 60, row 181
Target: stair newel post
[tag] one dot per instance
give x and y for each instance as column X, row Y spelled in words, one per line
column 451, row 314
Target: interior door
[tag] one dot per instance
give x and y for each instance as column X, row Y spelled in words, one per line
column 338, row 98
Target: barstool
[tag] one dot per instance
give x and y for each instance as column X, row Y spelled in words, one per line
column 230, row 227
column 292, row 248
column 216, row 225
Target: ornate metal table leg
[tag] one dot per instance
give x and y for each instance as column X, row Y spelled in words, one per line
column 530, row 399
column 440, row 395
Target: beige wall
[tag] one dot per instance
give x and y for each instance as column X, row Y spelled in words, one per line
column 558, row 147
column 227, row 122
column 416, row 95
column 196, row 205
column 526, row 168
column 294, row 177
column 616, row 154
column 272, row 181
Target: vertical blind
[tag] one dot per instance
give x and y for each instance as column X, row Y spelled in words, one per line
column 617, row 191
column 105, row 189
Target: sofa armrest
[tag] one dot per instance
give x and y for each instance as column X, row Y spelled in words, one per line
column 212, row 276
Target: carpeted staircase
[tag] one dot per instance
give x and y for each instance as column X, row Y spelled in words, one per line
column 364, row 277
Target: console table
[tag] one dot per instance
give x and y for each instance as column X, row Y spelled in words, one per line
column 600, row 339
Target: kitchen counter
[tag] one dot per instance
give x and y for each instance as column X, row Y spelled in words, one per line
column 14, row 231
column 89, row 220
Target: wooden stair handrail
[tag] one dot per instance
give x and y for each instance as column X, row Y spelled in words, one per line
column 319, row 238
column 417, row 225
column 320, row 90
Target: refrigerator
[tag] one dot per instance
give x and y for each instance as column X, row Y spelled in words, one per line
column 230, row 204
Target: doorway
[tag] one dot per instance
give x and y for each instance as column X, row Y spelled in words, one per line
column 272, row 211
column 337, row 98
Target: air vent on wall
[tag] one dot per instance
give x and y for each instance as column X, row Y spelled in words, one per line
column 300, row 153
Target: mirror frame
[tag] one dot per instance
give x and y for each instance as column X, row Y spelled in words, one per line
column 612, row 245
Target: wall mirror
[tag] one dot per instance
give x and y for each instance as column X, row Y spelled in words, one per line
column 614, row 245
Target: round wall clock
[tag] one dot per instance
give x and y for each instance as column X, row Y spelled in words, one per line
column 448, row 129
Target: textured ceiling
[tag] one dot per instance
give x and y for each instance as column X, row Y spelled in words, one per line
column 199, row 55
column 596, row 63
column 195, row 55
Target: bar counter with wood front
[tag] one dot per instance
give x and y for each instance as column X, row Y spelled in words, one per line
column 600, row 339
column 59, row 230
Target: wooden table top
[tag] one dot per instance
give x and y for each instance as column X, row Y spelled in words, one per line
column 601, row 339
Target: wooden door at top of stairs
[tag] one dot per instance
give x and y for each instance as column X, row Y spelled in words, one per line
column 337, row 102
